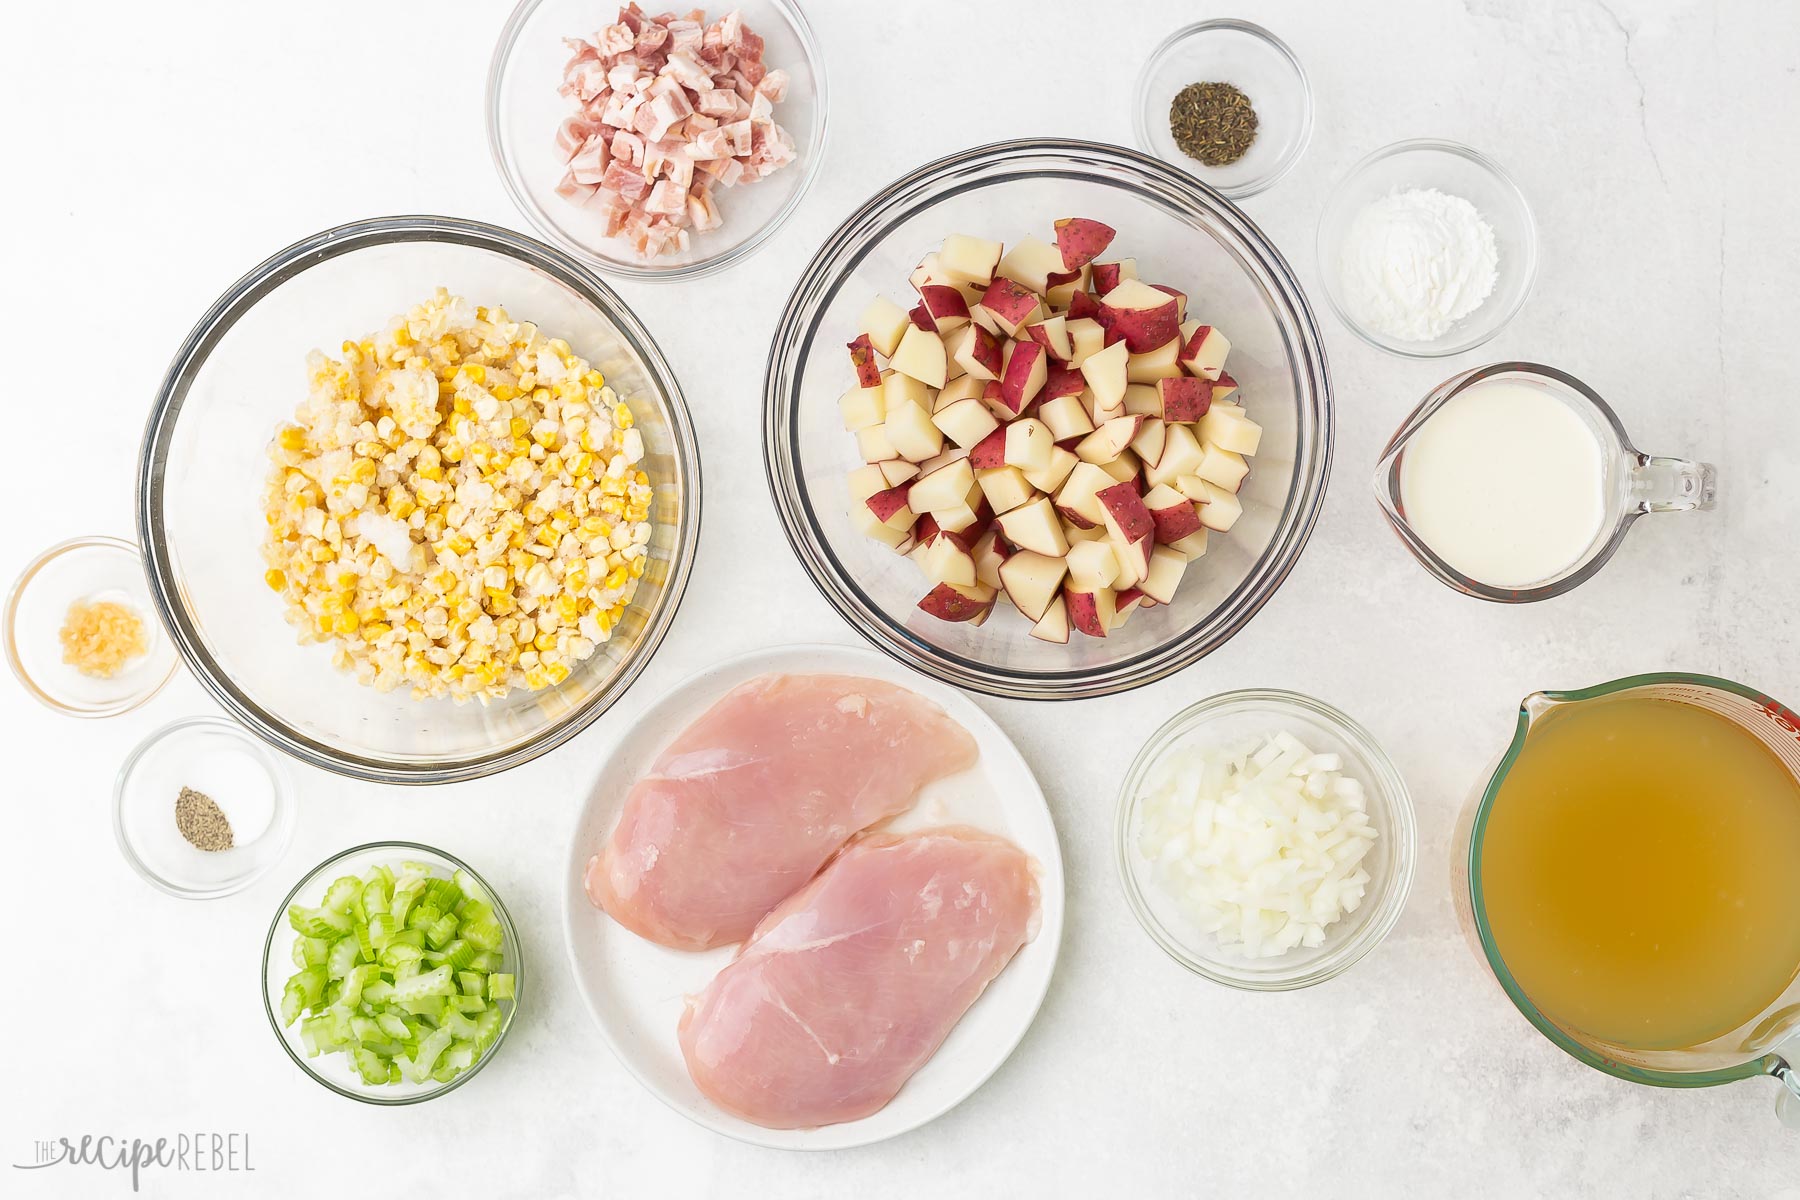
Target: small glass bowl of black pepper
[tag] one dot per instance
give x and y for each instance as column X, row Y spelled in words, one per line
column 1211, row 132
column 202, row 809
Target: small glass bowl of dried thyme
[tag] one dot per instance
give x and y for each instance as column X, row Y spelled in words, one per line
column 1227, row 102
column 202, row 809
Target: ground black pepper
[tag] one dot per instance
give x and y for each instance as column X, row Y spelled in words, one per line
column 1212, row 122
column 201, row 822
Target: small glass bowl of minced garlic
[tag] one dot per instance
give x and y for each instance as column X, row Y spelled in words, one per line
column 203, row 809
column 1227, row 102
column 81, row 633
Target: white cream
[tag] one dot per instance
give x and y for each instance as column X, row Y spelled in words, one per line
column 1505, row 484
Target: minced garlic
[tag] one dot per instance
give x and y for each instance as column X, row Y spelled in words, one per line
column 99, row 639
column 457, row 506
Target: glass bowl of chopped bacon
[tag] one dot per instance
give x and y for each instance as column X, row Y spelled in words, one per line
column 656, row 145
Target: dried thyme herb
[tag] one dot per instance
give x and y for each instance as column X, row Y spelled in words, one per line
column 201, row 822
column 1212, row 122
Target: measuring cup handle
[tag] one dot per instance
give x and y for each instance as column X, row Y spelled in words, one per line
column 1787, row 1101
column 1671, row 484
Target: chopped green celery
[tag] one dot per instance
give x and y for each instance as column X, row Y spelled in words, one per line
column 377, row 991
column 476, row 910
column 500, row 986
column 372, row 1067
column 375, row 896
column 311, row 981
column 487, row 1028
column 405, row 896
column 364, row 946
column 431, row 983
column 419, row 1066
column 342, row 893
column 423, row 916
column 485, row 934
column 471, row 982
column 366, row 1029
column 405, row 970
column 318, row 922
column 399, row 952
column 394, row 1026
column 468, row 1004
column 342, row 957
column 408, row 937
column 415, row 870
column 382, row 926
column 446, row 894
column 442, row 932
column 458, row 955
column 432, row 1008
column 458, row 1024
column 487, row 960
column 293, row 1000
column 354, row 981
column 384, row 873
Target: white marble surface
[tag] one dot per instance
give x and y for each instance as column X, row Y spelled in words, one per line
column 156, row 151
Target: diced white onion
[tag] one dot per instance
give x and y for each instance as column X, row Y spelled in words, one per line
column 1260, row 844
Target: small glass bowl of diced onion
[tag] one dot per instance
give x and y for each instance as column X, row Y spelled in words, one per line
column 425, row 1045
column 1265, row 840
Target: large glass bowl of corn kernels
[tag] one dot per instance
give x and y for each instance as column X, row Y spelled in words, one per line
column 203, row 520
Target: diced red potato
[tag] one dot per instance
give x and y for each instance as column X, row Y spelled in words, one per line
column 1046, row 429
column 862, row 357
column 1080, row 241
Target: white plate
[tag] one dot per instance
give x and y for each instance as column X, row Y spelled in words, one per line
column 636, row 989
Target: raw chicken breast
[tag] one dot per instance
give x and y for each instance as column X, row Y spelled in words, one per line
column 750, row 800
column 853, row 983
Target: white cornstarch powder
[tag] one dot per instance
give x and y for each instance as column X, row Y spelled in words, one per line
column 1415, row 262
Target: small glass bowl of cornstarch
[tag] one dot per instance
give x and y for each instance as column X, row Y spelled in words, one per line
column 1426, row 249
column 1265, row 840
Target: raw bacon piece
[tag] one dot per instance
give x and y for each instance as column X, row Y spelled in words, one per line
column 748, row 801
column 699, row 94
column 852, row 983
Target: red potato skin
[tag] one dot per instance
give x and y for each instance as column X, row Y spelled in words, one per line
column 943, row 303
column 1180, row 301
column 1057, row 278
column 1025, row 356
column 1081, row 241
column 947, row 604
column 1105, row 277
column 1074, row 518
column 986, row 347
column 926, row 530
column 1129, row 599
column 862, row 357
column 1041, row 336
column 1184, row 398
column 1062, row 381
column 1084, row 613
column 922, row 318
column 1175, row 522
column 1010, row 301
column 886, row 504
column 1122, row 501
column 1082, row 304
column 1144, row 329
column 990, row 451
column 1223, row 386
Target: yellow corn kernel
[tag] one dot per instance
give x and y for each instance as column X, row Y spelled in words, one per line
column 459, row 543
column 637, row 567
column 474, row 372
column 346, row 623
column 617, row 578
column 622, row 417
column 506, row 391
column 557, row 672
column 462, row 407
column 276, row 579
column 568, row 609
column 547, row 439
column 577, row 578
column 363, row 471
column 543, row 643
column 322, row 553
column 519, row 427
column 452, row 454
column 292, row 438
column 372, row 631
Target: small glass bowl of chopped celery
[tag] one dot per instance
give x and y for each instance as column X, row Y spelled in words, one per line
column 391, row 973
column 1242, row 723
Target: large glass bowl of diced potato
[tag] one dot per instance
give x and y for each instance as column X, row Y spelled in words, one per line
column 418, row 499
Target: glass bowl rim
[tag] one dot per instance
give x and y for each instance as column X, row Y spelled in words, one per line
column 15, row 594
column 923, row 187
column 282, row 823
column 209, row 331
column 1402, row 829
column 1507, row 184
column 511, row 938
column 1141, row 99
column 500, row 151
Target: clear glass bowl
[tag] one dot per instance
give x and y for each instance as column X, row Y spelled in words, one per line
column 1457, row 171
column 524, row 109
column 1261, row 66
column 335, row 1070
column 218, row 758
column 242, row 371
column 92, row 569
column 1182, row 234
column 1232, row 717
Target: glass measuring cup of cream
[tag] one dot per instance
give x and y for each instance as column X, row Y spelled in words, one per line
column 1515, row 482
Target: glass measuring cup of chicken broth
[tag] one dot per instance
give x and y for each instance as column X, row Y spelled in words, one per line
column 1626, row 872
column 1516, row 482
